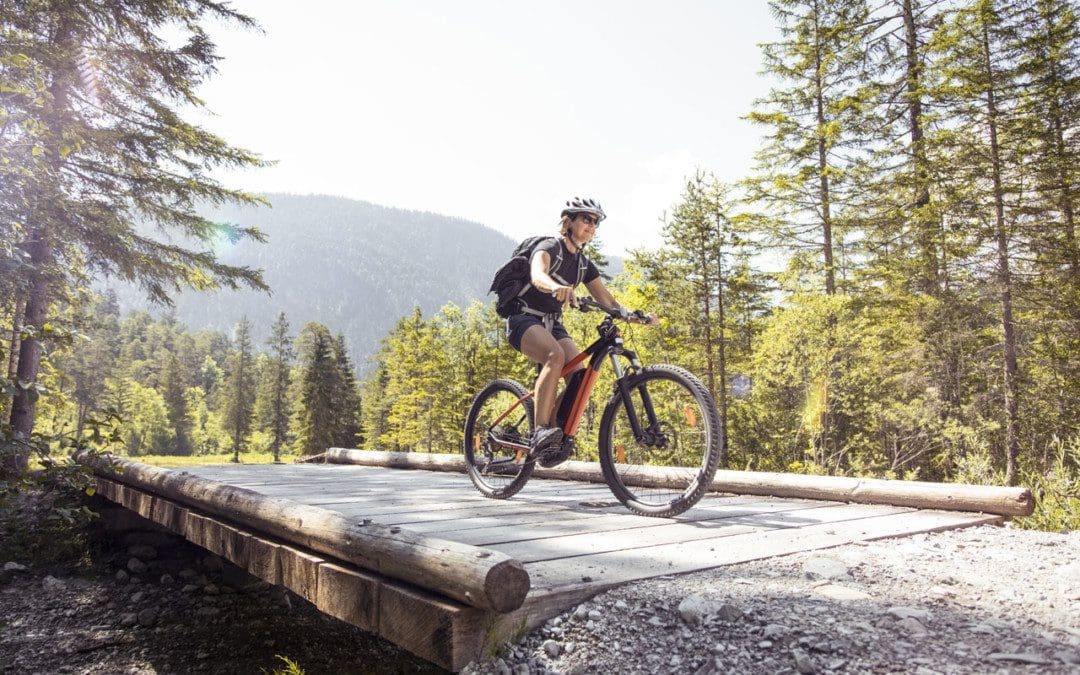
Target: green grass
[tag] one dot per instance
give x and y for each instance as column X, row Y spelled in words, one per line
column 197, row 460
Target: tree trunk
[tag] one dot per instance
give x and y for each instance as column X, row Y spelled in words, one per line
column 16, row 331
column 1004, row 277
column 925, row 232
column 825, row 203
column 721, row 343
column 24, row 404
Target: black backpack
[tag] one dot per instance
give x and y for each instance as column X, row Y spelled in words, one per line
column 512, row 279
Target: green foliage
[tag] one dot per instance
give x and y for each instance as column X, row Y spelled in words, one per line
column 290, row 667
column 317, row 424
column 43, row 513
column 1056, row 488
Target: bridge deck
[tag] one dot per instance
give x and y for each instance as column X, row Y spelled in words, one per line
column 574, row 538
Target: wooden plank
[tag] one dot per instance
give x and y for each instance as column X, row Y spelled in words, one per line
column 642, row 563
column 349, row 594
column 583, row 544
column 757, row 514
column 264, row 559
column 300, row 572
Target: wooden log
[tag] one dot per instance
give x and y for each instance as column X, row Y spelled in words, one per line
column 478, row 577
column 999, row 500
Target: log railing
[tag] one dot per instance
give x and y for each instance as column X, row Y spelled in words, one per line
column 999, row 500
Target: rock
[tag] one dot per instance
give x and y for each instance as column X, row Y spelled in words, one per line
column 52, row 584
column 1034, row 659
column 142, row 552
column 138, row 597
column 136, row 566
column 166, row 580
column 774, row 630
column 694, row 609
column 595, row 615
column 122, row 576
column 128, row 619
column 826, row 567
column 14, row 567
column 1069, row 657
column 211, row 589
column 551, row 648
column 581, row 613
column 187, row 574
column 728, row 613
column 147, row 617
column 499, row 667
column 910, row 612
column 803, row 663
column 912, row 626
column 841, row 593
column 621, row 606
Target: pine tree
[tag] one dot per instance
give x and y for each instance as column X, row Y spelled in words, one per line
column 174, row 394
column 347, row 397
column 241, row 388
column 317, row 420
column 813, row 124
column 92, row 125
column 978, row 66
column 276, row 409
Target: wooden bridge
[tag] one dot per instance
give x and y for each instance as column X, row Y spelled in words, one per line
column 421, row 558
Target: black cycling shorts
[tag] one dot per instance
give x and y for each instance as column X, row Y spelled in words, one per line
column 519, row 323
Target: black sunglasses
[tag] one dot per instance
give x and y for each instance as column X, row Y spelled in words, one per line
column 589, row 220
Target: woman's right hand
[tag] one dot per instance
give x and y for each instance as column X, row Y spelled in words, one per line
column 564, row 294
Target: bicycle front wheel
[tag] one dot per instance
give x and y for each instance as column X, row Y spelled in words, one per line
column 497, row 434
column 668, row 467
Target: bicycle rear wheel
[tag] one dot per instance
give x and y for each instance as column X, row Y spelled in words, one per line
column 669, row 468
column 494, row 457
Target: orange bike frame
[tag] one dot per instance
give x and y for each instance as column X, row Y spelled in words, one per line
column 580, row 399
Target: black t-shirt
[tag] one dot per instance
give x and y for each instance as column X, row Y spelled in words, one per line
column 572, row 266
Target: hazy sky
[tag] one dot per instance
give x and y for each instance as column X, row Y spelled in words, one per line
column 494, row 111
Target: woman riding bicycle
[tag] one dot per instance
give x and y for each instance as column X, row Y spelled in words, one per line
column 537, row 331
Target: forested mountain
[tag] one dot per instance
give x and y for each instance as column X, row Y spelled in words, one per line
column 354, row 266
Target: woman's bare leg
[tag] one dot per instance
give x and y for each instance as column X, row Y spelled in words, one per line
column 540, row 346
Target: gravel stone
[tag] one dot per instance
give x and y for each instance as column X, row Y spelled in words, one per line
column 869, row 608
column 136, row 566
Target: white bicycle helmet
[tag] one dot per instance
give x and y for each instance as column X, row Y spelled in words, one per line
column 578, row 205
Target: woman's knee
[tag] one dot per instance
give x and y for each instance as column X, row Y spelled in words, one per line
column 554, row 357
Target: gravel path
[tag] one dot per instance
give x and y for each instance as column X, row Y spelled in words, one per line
column 980, row 600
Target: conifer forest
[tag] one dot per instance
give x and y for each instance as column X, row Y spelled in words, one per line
column 891, row 290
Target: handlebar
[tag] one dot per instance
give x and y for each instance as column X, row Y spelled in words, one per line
column 586, row 304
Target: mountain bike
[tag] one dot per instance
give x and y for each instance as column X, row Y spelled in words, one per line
column 660, row 436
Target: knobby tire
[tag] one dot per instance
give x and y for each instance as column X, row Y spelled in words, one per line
column 489, row 464
column 690, row 450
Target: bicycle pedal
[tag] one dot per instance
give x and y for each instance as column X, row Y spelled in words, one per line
column 553, row 456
